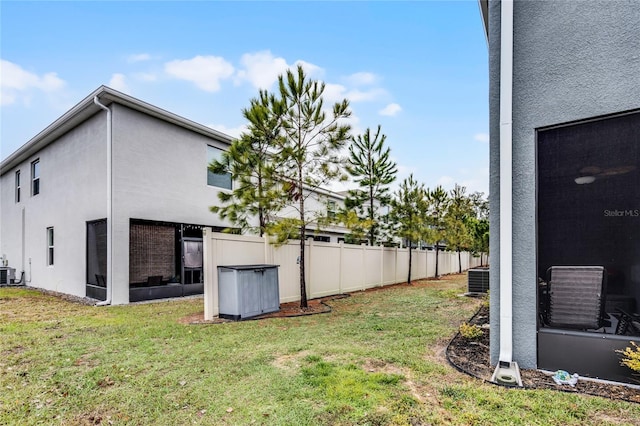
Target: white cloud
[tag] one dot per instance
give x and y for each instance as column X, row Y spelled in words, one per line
column 261, row 69
column 231, row 131
column 118, row 82
column 205, row 72
column 334, row 93
column 309, row 68
column 17, row 83
column 357, row 95
column 481, row 137
column 390, row 110
column 361, row 79
column 337, row 92
column 138, row 57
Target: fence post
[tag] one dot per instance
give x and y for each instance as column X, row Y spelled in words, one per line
column 381, row 250
column 395, row 272
column 209, row 253
column 340, row 265
column 309, row 243
column 364, row 265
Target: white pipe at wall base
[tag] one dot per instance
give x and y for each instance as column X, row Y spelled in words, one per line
column 506, row 185
column 109, row 274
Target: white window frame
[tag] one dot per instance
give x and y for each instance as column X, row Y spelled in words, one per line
column 35, row 180
column 331, row 209
column 218, row 153
column 18, row 188
column 50, row 246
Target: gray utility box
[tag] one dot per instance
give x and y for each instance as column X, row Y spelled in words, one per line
column 478, row 280
column 246, row 291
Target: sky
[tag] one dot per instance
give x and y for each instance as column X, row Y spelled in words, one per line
column 419, row 69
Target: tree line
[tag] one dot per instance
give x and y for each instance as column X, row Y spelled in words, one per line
column 294, row 145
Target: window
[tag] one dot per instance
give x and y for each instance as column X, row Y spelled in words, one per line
column 35, row 177
column 220, row 180
column 50, row 246
column 18, row 186
column 331, row 209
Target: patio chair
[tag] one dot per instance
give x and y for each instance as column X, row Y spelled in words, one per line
column 628, row 324
column 101, row 280
column 577, row 297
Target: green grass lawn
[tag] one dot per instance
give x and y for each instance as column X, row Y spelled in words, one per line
column 377, row 359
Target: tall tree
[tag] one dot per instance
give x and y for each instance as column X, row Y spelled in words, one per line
column 372, row 169
column 456, row 219
column 408, row 211
column 437, row 204
column 256, row 191
column 479, row 224
column 309, row 149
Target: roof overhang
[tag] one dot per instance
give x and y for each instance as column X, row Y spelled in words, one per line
column 484, row 13
column 87, row 108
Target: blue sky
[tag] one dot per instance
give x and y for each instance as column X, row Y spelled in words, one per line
column 419, row 69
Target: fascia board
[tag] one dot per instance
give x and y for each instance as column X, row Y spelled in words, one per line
column 85, row 109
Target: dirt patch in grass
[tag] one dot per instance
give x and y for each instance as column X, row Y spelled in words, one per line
column 472, row 357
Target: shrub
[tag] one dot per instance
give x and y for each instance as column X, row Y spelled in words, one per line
column 631, row 357
column 470, row 331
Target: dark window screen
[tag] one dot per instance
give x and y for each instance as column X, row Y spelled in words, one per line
column 97, row 253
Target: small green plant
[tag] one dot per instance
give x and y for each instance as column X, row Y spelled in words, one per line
column 631, row 357
column 470, row 331
column 485, row 300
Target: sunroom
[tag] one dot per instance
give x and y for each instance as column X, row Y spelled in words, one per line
column 588, row 244
column 165, row 260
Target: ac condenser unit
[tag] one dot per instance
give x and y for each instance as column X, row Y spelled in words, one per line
column 478, row 280
column 7, row 275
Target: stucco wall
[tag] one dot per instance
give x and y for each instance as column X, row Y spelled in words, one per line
column 72, row 192
column 160, row 173
column 572, row 61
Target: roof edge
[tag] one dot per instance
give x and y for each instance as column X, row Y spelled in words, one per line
column 484, row 14
column 85, row 109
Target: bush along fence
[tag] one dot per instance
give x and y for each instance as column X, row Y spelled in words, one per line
column 331, row 268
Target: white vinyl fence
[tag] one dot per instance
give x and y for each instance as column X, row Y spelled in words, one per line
column 331, row 268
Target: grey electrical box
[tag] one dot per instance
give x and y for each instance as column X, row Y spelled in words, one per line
column 246, row 291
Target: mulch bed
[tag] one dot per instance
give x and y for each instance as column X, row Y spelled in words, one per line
column 472, row 357
column 291, row 309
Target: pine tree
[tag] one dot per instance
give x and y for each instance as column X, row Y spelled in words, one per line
column 256, row 191
column 459, row 210
column 408, row 212
column 438, row 201
column 371, row 168
column 308, row 150
column 478, row 224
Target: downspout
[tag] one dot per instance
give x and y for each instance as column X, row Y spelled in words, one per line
column 507, row 371
column 109, row 274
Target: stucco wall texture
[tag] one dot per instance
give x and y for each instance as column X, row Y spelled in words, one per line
column 573, row 60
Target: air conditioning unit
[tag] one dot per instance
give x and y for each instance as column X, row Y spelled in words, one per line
column 7, row 275
column 478, row 280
